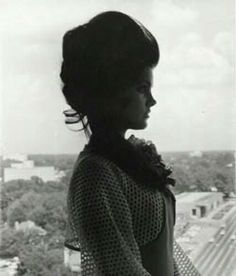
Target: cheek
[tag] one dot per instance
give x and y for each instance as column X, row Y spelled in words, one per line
column 133, row 107
column 139, row 104
column 136, row 110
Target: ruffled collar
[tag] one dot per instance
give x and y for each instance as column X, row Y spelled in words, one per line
column 137, row 157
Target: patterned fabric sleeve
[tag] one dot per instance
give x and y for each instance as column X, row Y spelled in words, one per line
column 176, row 270
column 101, row 217
column 182, row 264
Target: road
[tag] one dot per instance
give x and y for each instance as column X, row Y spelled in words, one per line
column 218, row 258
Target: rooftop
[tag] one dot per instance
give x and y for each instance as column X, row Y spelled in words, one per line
column 195, row 196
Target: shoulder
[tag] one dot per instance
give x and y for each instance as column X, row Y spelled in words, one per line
column 87, row 161
column 93, row 170
column 95, row 185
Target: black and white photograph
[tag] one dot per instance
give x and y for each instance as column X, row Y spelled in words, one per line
column 117, row 138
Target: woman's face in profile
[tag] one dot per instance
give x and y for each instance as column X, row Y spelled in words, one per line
column 135, row 113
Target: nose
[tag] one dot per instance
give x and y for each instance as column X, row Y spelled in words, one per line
column 151, row 101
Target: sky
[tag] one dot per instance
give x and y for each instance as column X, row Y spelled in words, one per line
column 194, row 82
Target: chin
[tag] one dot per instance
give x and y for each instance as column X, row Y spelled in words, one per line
column 139, row 126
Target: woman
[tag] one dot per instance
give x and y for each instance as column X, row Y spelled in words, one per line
column 121, row 211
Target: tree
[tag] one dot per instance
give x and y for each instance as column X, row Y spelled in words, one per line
column 50, row 262
column 45, row 204
column 37, row 255
column 50, row 212
column 9, row 246
column 14, row 241
column 21, row 208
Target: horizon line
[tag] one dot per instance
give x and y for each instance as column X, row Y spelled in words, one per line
column 163, row 151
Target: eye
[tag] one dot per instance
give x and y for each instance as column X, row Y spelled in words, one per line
column 144, row 89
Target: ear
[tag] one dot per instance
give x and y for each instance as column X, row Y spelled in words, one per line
column 99, row 108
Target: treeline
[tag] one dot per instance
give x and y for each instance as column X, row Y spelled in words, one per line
column 59, row 161
column 204, row 172
column 40, row 248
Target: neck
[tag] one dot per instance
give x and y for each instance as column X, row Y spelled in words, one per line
column 140, row 162
column 106, row 129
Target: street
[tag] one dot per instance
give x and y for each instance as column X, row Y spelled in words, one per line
column 218, row 257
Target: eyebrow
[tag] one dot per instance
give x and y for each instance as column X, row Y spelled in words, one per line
column 145, row 82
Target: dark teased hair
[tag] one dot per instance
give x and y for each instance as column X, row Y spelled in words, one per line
column 102, row 57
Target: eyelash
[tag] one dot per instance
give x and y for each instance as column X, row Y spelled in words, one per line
column 144, row 90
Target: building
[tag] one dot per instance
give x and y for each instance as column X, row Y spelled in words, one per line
column 197, row 204
column 16, row 156
column 72, row 259
column 196, row 153
column 26, row 169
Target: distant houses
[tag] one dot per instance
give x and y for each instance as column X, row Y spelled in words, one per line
column 196, row 153
column 25, row 169
column 198, row 204
column 16, row 156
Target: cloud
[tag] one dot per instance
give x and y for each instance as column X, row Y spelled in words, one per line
column 169, row 14
column 194, row 63
column 224, row 43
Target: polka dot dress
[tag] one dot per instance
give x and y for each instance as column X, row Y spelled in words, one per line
column 110, row 217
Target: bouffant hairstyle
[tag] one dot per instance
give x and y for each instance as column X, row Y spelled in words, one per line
column 102, row 57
